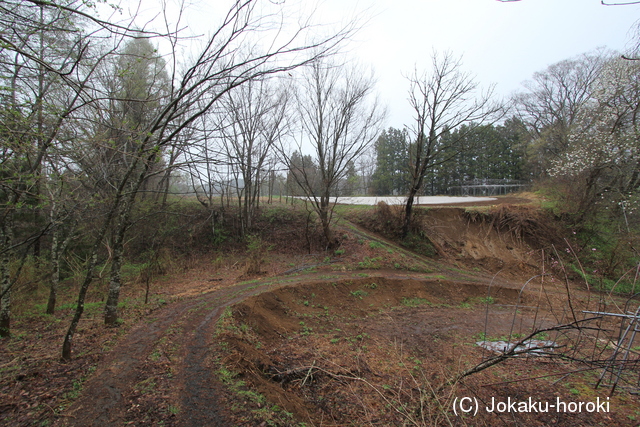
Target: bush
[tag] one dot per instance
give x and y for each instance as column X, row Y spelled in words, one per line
column 256, row 252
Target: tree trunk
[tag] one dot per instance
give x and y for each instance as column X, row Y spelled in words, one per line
column 115, row 278
column 246, row 209
column 68, row 338
column 272, row 180
column 55, row 270
column 325, row 219
column 88, row 278
column 5, row 278
column 408, row 211
column 58, row 248
column 115, row 281
column 585, row 206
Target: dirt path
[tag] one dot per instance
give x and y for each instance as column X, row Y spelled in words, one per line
column 103, row 400
column 108, row 396
column 165, row 357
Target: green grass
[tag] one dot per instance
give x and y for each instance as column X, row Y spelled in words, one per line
column 415, row 302
column 487, row 300
column 369, row 263
column 376, row 245
column 620, row 286
column 89, row 307
column 346, row 210
column 359, row 293
column 420, row 244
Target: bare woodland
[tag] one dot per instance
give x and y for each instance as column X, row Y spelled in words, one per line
column 99, row 117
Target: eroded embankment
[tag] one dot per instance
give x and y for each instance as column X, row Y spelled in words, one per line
column 331, row 350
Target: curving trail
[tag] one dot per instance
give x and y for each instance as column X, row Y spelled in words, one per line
column 108, row 395
column 105, row 399
column 112, row 396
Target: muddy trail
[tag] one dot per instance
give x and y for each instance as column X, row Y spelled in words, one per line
column 166, row 357
column 109, row 396
column 169, row 369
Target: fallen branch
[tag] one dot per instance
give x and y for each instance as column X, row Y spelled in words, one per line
column 520, row 348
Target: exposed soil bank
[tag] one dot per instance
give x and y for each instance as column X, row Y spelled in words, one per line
column 368, row 334
column 368, row 351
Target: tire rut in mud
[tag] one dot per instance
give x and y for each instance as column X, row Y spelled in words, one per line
column 103, row 400
column 201, row 392
column 106, row 396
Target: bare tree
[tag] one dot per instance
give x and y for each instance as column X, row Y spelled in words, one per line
column 254, row 120
column 366, row 166
column 442, row 99
column 65, row 209
column 140, row 90
column 338, row 120
column 46, row 65
column 552, row 104
column 225, row 63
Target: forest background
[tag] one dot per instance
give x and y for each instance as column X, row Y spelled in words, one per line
column 111, row 150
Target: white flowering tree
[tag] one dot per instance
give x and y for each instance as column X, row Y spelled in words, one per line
column 604, row 144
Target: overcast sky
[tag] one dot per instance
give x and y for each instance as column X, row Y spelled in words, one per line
column 499, row 42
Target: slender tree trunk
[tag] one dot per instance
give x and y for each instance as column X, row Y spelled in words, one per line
column 408, row 210
column 60, row 239
column 257, row 187
column 246, row 209
column 115, row 277
column 325, row 219
column 634, row 180
column 55, row 269
column 56, row 255
column 40, row 140
column 6, row 236
column 115, row 281
column 272, row 181
column 93, row 260
column 68, row 339
column 165, row 182
column 586, row 204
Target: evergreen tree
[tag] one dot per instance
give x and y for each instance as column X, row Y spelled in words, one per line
column 299, row 167
column 490, row 153
column 390, row 176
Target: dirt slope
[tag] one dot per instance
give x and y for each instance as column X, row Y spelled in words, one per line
column 230, row 350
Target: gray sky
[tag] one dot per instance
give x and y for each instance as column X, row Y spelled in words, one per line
column 500, row 43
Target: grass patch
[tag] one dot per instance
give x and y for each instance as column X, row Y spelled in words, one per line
column 419, row 243
column 415, row 302
column 359, row 293
column 487, row 300
column 369, row 264
column 376, row 245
